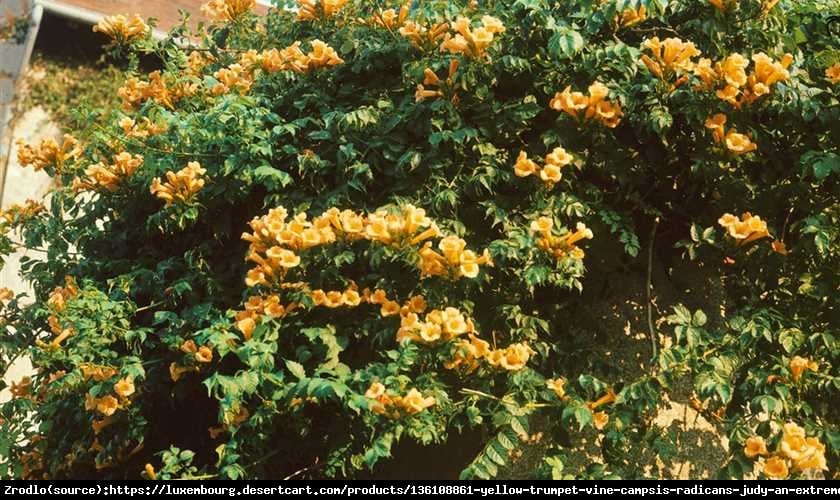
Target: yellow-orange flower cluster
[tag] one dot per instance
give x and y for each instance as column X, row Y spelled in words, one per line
column 454, row 261
column 803, row 452
column 48, row 152
column 351, row 297
column 226, row 10
column 108, row 405
column 736, row 143
column 136, row 91
column 122, row 28
column 202, row 354
column 145, row 128
column 436, row 326
column 57, row 303
column 472, row 42
column 310, row 10
column 292, row 58
column 180, row 186
column 511, row 358
column 798, row 366
column 6, row 294
column 109, row 177
column 21, row 388
column 17, row 213
column 467, row 353
column 196, row 62
column 234, row 77
column 256, row 308
column 423, row 37
column 595, row 106
column 796, row 452
column 563, row 245
column 334, row 299
column 746, row 229
column 833, row 73
column 395, row 407
column 431, row 80
column 240, row 76
column 389, row 18
column 99, row 373
column 671, row 58
column 630, row 16
column 738, row 88
column 276, row 241
column 551, row 173
column 723, row 5
column 410, row 226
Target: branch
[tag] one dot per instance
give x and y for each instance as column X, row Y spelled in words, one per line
column 316, row 465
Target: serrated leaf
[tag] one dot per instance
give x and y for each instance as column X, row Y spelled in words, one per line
column 296, row 369
column 519, row 426
column 494, row 454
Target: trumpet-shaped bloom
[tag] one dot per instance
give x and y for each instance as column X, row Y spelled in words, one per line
column 124, row 387
column 755, row 446
column 122, row 28
column 799, row 365
column 226, row 10
column 524, row 166
column 595, row 106
column 669, row 57
column 833, row 73
column 181, row 186
column 739, row 143
column 558, row 385
column 745, row 229
column 776, row 468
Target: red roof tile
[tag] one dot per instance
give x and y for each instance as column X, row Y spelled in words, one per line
column 165, row 11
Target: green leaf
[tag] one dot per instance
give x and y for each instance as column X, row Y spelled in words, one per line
column 583, row 415
column 296, row 369
column 556, row 464
column 506, row 441
column 565, row 43
column 494, row 455
column 828, row 164
column 695, row 232
column 791, row 339
column 272, row 177
column 519, row 426
column 699, row 318
column 681, row 316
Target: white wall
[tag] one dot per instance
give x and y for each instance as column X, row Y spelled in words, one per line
column 16, row 183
